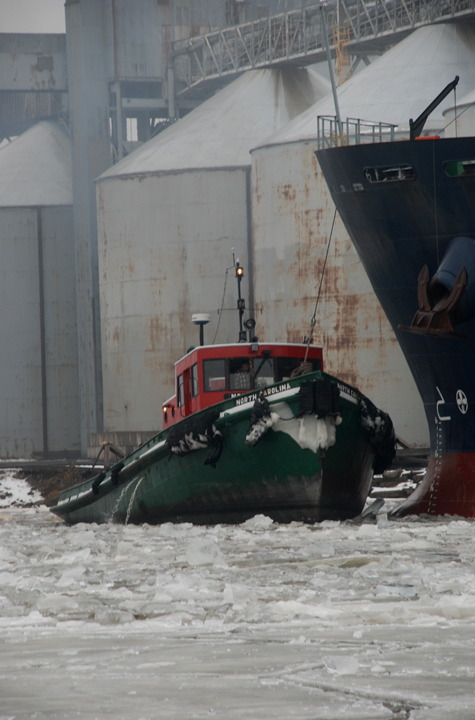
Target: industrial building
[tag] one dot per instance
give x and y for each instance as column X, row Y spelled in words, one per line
column 39, row 387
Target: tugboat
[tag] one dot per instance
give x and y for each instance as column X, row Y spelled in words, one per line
column 253, row 428
column 408, row 207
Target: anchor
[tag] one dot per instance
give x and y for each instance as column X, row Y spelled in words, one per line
column 436, row 316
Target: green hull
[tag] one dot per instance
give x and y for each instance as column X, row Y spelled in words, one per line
column 276, row 477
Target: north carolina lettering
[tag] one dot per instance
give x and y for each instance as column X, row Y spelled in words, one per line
column 243, row 399
column 348, row 390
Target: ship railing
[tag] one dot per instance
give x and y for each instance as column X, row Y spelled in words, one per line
column 353, row 131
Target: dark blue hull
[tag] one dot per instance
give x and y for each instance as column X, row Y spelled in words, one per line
column 398, row 225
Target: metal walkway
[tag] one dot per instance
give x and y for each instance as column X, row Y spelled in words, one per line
column 206, row 62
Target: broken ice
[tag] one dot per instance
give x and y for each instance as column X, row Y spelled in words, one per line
column 256, row 621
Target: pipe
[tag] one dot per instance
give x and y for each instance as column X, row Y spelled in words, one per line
column 171, row 87
column 330, row 68
column 44, row 397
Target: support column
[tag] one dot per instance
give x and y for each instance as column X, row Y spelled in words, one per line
column 90, row 138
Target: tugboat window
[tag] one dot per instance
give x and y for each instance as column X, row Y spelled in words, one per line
column 391, row 173
column 263, row 371
column 194, row 380
column 214, row 375
column 459, row 168
column 180, row 396
column 239, row 374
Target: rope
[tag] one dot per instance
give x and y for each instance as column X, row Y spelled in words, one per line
column 455, row 109
column 303, row 369
column 435, row 204
column 313, row 320
column 456, row 117
column 220, row 311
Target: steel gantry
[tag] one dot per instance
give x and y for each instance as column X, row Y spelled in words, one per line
column 295, row 38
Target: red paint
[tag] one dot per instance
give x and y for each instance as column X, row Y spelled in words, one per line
column 447, row 488
column 172, row 413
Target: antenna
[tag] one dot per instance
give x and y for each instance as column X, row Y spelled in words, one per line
column 241, row 303
column 250, row 323
column 201, row 319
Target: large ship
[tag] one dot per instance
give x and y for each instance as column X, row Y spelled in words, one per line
column 409, row 208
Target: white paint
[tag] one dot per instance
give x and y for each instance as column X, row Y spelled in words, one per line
column 462, row 402
column 442, row 418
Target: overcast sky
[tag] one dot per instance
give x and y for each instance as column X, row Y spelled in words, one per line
column 32, row 16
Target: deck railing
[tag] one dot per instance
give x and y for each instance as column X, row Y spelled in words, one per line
column 353, row 132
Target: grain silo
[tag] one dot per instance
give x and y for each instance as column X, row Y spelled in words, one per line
column 39, row 388
column 459, row 119
column 169, row 216
column 293, row 215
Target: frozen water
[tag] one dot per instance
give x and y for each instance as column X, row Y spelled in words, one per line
column 342, row 665
column 204, row 551
column 327, row 622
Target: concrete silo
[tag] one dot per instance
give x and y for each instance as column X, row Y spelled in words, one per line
column 117, row 52
column 459, row 119
column 39, row 388
column 293, row 215
column 169, row 216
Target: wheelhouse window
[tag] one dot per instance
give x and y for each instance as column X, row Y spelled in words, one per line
column 459, row 168
column 239, row 374
column 214, row 375
column 263, row 372
column 195, row 388
column 390, row 173
column 180, row 395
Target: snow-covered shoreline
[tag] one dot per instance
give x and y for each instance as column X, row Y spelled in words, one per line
column 15, row 491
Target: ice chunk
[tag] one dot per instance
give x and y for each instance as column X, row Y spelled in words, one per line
column 258, row 521
column 70, row 558
column 237, row 593
column 342, row 664
column 322, row 548
column 369, row 530
column 459, row 527
column 53, row 603
column 71, row 576
column 83, row 538
column 292, row 608
column 6, row 555
column 112, row 616
column 8, row 579
column 204, row 551
column 124, row 548
column 172, row 530
column 405, row 591
column 308, row 431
